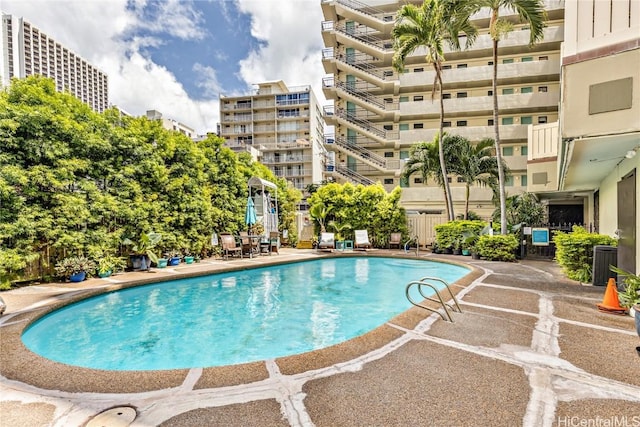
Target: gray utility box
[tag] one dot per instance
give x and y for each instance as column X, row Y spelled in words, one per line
column 603, row 257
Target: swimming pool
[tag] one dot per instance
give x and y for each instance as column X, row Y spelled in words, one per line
column 230, row 318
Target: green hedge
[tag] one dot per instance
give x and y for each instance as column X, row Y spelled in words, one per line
column 574, row 251
column 451, row 235
column 499, row 247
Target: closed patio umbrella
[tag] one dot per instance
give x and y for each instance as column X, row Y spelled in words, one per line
column 250, row 214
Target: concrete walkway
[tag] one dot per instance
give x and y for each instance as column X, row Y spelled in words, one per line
column 530, row 348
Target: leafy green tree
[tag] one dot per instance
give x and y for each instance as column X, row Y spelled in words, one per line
column 522, row 208
column 430, row 26
column 533, row 14
column 473, row 163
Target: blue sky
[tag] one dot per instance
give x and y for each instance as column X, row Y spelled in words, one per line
column 177, row 57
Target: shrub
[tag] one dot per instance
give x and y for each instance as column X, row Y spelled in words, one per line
column 574, row 251
column 452, row 234
column 499, row 247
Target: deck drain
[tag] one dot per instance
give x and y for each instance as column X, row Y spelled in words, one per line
column 121, row 416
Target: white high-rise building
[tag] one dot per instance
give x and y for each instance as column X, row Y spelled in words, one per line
column 282, row 125
column 27, row 51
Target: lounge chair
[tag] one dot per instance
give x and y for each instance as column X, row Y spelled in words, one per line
column 395, row 239
column 362, row 240
column 229, row 246
column 327, row 241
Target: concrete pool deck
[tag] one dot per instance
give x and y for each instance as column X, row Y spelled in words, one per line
column 530, row 348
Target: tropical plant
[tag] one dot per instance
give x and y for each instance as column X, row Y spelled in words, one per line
column 319, row 212
column 524, row 208
column 500, row 247
column 630, row 295
column 144, row 245
column 339, row 228
column 532, row 13
column 74, row 265
column 111, row 263
column 473, row 163
column 430, row 26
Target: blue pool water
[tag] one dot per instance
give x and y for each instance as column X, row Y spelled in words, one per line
column 234, row 317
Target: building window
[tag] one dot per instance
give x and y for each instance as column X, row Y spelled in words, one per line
column 418, row 126
column 490, row 63
column 446, row 67
column 404, row 182
column 404, row 154
column 418, row 70
column 542, row 119
column 526, row 59
column 489, row 93
column 524, row 150
column 460, row 179
column 526, row 89
column 446, row 124
column 461, row 95
column 542, row 88
column 387, row 73
column 507, row 91
column 526, row 120
column 507, row 151
column 404, row 126
column 490, row 122
column 417, row 180
column 418, row 98
column 404, row 99
column 449, row 180
column 461, row 66
column 507, row 121
column 543, row 58
column 461, row 123
column 387, row 127
column 508, row 181
column 446, row 96
column 523, row 180
column 507, row 61
column 388, row 154
column 388, row 181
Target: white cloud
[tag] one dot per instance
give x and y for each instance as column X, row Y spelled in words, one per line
column 103, row 32
column 293, row 48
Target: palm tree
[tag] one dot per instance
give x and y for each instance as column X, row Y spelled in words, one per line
column 474, row 163
column 430, row 26
column 531, row 12
column 424, row 159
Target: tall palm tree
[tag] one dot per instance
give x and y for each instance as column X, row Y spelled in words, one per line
column 474, row 164
column 424, row 159
column 532, row 13
column 429, row 26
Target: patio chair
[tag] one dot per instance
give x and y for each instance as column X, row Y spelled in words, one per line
column 229, row 246
column 362, row 240
column 395, row 239
column 249, row 243
column 327, row 242
column 273, row 242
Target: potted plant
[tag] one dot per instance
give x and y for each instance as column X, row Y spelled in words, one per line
column 173, row 257
column 142, row 250
column 75, row 268
column 109, row 264
column 630, row 295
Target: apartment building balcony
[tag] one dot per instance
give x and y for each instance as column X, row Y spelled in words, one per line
column 363, row 40
column 483, row 46
column 374, row 17
column 262, row 104
column 481, row 105
column 473, row 133
column 292, row 173
column 345, row 174
column 264, row 129
column 355, row 92
column 456, row 78
column 360, row 65
column 271, row 158
column 358, row 152
column 361, row 124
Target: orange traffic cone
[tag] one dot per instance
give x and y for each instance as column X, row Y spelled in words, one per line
column 610, row 303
